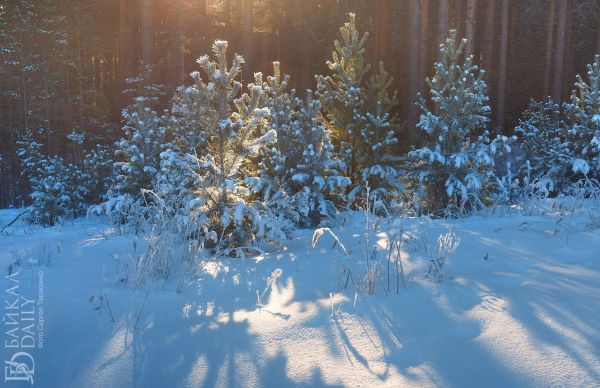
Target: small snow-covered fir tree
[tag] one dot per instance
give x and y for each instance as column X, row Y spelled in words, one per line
column 583, row 120
column 297, row 176
column 142, row 84
column 317, row 177
column 191, row 113
column 543, row 144
column 358, row 114
column 98, row 168
column 139, row 151
column 456, row 165
column 378, row 135
column 57, row 188
column 231, row 125
column 274, row 162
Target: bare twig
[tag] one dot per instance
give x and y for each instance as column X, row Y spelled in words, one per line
column 14, row 220
column 141, row 309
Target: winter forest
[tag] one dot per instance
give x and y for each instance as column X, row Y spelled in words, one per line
column 300, row 193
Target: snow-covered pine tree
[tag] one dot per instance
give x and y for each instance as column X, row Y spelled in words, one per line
column 316, row 178
column 98, row 173
column 378, row 135
column 57, row 188
column 357, row 112
column 297, row 176
column 143, row 85
column 191, row 113
column 583, row 121
column 270, row 179
column 545, row 155
column 231, row 125
column 137, row 153
column 139, row 150
column 456, row 165
column 136, row 165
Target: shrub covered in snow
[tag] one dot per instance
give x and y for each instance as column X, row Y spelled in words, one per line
column 139, row 150
column 58, row 189
column 544, row 144
column 316, row 181
column 98, row 167
column 456, row 165
column 562, row 143
column 274, row 163
column 358, row 110
column 232, row 127
column 583, row 121
column 297, row 175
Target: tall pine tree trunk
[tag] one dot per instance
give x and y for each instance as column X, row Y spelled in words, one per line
column 176, row 60
column 489, row 33
column 424, row 65
column 305, row 35
column 80, row 65
column 598, row 34
column 549, row 44
column 381, row 23
column 414, row 58
column 227, row 15
column 442, row 25
column 470, row 26
column 123, row 49
column 147, row 15
column 568, row 72
column 502, row 66
column 203, row 24
column 247, row 38
column 559, row 54
column 396, row 63
column 458, row 17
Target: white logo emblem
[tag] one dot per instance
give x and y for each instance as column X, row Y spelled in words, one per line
column 21, row 367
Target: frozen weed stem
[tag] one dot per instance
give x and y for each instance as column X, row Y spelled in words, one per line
column 447, row 245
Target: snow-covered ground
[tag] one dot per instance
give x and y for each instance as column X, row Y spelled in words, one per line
column 520, row 307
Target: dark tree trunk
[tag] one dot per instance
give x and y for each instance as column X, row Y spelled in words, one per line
column 227, row 14
column 247, row 38
column 424, row 33
column 500, row 111
column 470, row 26
column 442, row 25
column 489, row 33
column 381, row 24
column 549, row 42
column 458, row 16
column 559, row 53
column 598, row 33
column 176, row 60
column 568, row 71
column 147, row 30
column 306, row 45
column 414, row 72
